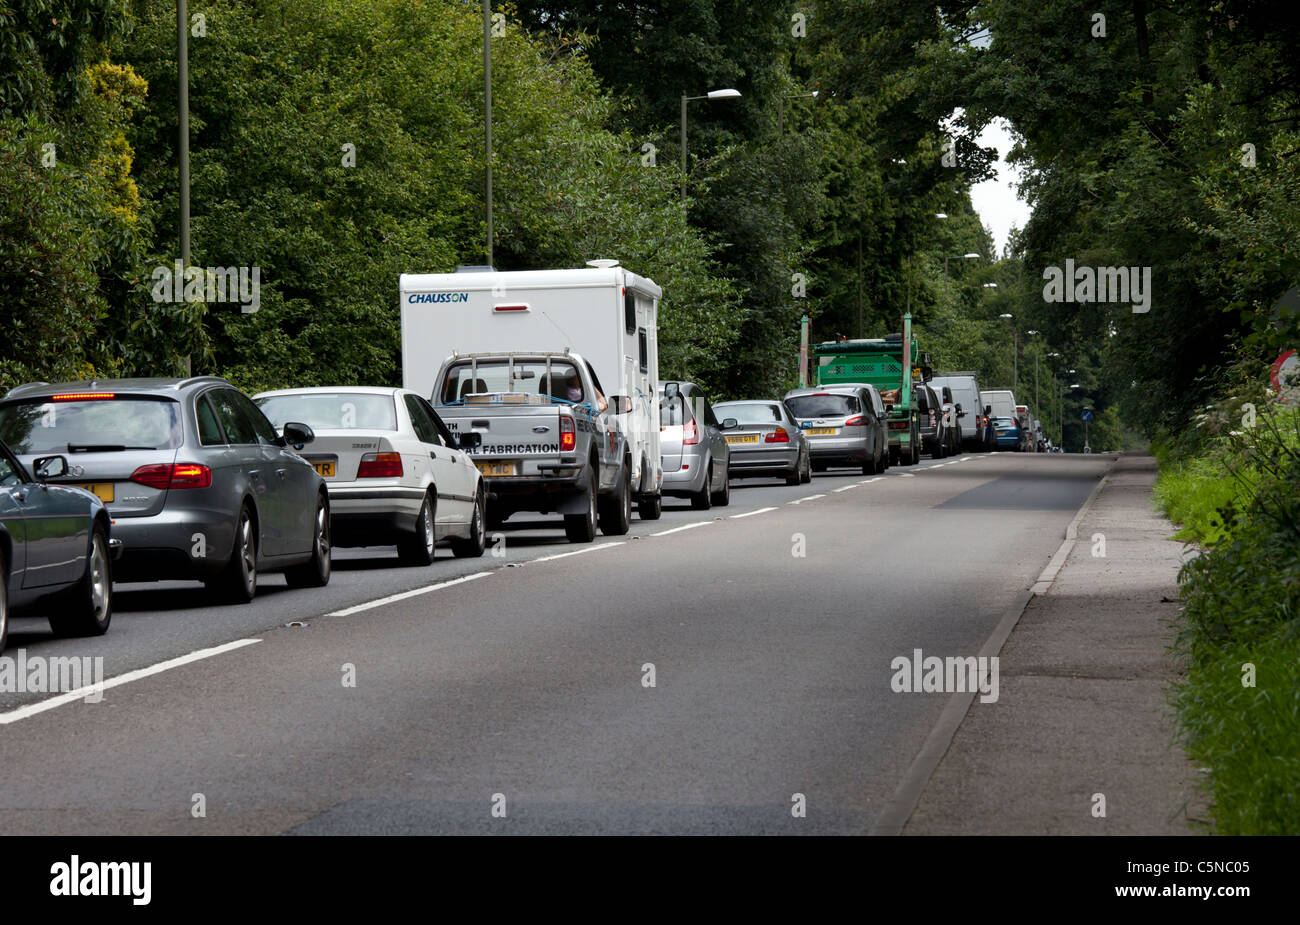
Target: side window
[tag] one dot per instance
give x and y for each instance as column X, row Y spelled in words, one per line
column 629, row 312
column 448, row 438
column 420, row 421
column 595, row 380
column 209, row 428
column 238, row 429
column 644, row 345
column 709, row 417
column 9, row 474
column 263, row 430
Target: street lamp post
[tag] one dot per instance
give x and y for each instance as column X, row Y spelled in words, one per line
column 780, row 108
column 183, row 135
column 1015, row 352
column 727, row 94
column 1036, row 407
column 487, row 122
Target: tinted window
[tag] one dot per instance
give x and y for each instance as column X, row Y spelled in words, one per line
column 40, row 426
column 262, row 428
column 424, row 428
column 9, row 476
column 673, row 413
column 238, row 428
column 629, row 312
column 465, row 379
column 332, row 410
column 209, row 429
column 752, row 412
column 823, row 406
column 709, row 417
column 644, row 345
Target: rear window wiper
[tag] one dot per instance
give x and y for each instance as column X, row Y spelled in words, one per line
column 104, row 447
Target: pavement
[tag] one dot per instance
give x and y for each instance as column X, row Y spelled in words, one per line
column 1081, row 739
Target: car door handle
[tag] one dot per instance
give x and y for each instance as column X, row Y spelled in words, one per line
column 281, row 473
column 433, row 455
column 20, row 495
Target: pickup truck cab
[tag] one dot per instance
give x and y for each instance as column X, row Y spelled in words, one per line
column 550, row 441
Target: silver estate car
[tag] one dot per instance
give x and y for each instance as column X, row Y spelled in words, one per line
column 195, row 479
column 695, row 455
column 846, row 425
column 766, row 441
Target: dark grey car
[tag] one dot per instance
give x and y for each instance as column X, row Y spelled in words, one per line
column 846, row 425
column 196, row 480
column 766, row 440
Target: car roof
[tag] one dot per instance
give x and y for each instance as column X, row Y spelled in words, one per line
column 840, row 388
column 155, row 386
column 334, row 390
column 749, row 401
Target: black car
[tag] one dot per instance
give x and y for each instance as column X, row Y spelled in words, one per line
column 55, row 550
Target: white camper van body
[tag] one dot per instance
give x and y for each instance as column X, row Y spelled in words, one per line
column 606, row 313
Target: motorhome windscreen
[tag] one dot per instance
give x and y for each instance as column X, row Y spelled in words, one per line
column 470, row 377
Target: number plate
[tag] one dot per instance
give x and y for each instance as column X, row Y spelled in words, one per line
column 496, row 468
column 326, row 469
column 823, row 431
column 743, row 438
column 101, row 490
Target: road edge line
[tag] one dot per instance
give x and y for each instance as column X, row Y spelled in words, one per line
column 899, row 808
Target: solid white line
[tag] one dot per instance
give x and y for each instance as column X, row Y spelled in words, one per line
column 761, row 510
column 32, row 709
column 577, row 552
column 847, row 487
column 809, row 498
column 415, row 592
column 702, row 523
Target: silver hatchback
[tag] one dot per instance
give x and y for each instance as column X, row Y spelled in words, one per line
column 695, row 455
column 196, row 480
column 845, row 425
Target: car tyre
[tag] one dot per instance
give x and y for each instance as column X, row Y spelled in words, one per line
column 722, row 497
column 616, row 509
column 472, row 546
column 4, row 601
column 315, row 572
column 237, row 582
column 581, row 528
column 806, row 475
column 420, row 549
column 89, row 603
column 702, row 500
column 650, row 507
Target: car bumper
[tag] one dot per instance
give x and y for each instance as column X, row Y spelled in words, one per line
column 173, row 544
column 828, row 449
column 369, row 515
column 684, row 481
column 745, row 461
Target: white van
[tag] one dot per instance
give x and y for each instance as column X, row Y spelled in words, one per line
column 1002, row 402
column 605, row 313
column 965, row 388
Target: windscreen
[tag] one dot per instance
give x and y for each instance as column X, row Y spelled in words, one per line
column 750, row 412
column 332, row 410
column 823, row 406
column 530, row 376
column 115, row 422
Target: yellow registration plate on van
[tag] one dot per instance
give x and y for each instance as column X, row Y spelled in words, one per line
column 101, row 490
column 496, row 468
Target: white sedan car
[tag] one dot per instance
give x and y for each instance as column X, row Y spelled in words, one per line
column 394, row 472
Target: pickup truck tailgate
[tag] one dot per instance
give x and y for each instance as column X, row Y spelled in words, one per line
column 518, row 440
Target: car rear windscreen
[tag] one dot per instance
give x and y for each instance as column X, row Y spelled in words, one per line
column 530, row 376
column 82, row 425
column 822, row 406
column 331, row 410
column 750, row 413
column 674, row 412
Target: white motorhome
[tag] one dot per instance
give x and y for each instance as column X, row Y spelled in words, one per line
column 605, row 313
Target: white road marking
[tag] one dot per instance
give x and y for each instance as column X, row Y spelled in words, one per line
column 847, row 487
column 32, row 709
column 702, row 523
column 415, row 592
column 809, row 498
column 906, row 475
column 761, row 510
column 869, row 481
column 578, row 552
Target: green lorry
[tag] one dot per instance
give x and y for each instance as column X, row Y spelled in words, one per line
column 879, row 361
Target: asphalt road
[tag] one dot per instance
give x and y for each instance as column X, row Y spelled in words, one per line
column 519, row 700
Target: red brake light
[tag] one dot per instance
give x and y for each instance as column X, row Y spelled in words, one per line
column 380, row 466
column 82, row 396
column 173, row 475
column 857, row 421
column 777, row 436
column 568, row 436
column 690, row 433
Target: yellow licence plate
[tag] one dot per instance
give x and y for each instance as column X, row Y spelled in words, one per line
column 743, row 438
column 823, row 431
column 101, row 490
column 326, row 469
column 496, row 468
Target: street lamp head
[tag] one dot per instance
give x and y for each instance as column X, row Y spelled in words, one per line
column 994, row 286
column 1033, row 332
column 727, row 94
column 941, row 215
column 971, row 256
column 1075, row 385
column 1006, row 315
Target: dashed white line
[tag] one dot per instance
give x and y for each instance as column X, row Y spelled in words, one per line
column 846, row 487
column 414, row 592
column 906, row 475
column 761, row 510
column 32, row 709
column 869, row 481
column 702, row 523
column 808, row 498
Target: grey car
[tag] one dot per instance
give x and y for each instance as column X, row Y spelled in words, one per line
column 195, row 479
column 766, row 440
column 846, row 425
column 695, row 455
column 54, row 550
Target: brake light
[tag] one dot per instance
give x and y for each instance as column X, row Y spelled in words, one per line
column 857, row 421
column 777, row 436
column 173, row 475
column 82, row 396
column 380, row 466
column 568, row 435
column 690, row 433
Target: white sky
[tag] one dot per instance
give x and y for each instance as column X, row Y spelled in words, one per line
column 995, row 200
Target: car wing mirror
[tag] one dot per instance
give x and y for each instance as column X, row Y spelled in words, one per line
column 730, row 423
column 671, row 390
column 619, row 404
column 297, row 435
column 469, row 441
column 50, row 467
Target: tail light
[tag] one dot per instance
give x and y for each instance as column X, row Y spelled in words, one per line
column 857, row 421
column 380, row 466
column 934, row 418
column 777, row 436
column 173, row 475
column 898, row 425
column 690, row 433
column 568, row 435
